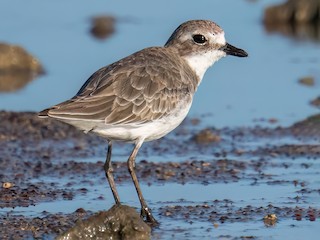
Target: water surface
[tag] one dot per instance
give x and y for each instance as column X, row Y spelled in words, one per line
column 235, row 92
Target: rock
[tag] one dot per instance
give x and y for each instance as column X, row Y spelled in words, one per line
column 309, row 126
column 316, row 102
column 118, row 223
column 206, row 136
column 17, row 67
column 297, row 18
column 307, row 81
column 293, row 11
column 270, row 220
column 7, row 185
column 102, row 27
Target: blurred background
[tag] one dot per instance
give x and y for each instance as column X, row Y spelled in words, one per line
column 71, row 39
column 48, row 49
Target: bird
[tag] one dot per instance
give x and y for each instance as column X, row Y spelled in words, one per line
column 145, row 95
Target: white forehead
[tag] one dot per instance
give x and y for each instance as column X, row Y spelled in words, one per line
column 217, row 38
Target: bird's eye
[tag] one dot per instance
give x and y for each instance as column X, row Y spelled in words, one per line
column 200, row 39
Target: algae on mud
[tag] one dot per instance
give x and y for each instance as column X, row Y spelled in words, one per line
column 118, row 223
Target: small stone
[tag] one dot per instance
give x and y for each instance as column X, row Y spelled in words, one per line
column 272, row 120
column 7, row 185
column 307, row 81
column 206, row 136
column 195, row 121
column 102, row 27
column 270, row 220
column 316, row 102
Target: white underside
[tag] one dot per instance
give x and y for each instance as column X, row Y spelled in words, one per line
column 200, row 63
column 134, row 132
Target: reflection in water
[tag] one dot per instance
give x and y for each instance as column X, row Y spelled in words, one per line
column 13, row 81
column 119, row 222
column 17, row 67
column 295, row 18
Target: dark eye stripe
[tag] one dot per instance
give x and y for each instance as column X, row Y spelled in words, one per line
column 198, row 38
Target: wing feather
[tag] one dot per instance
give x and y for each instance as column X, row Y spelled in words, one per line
column 132, row 90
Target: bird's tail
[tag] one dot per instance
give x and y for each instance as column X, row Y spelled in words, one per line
column 44, row 113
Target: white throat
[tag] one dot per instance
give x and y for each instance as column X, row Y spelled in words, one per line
column 199, row 63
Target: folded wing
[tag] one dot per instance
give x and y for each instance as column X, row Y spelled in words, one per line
column 134, row 90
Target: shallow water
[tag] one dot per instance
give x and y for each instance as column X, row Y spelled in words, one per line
column 235, row 92
column 240, row 194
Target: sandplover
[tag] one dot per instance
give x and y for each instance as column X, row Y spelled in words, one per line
column 146, row 95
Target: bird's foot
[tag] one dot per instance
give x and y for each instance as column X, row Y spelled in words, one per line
column 148, row 217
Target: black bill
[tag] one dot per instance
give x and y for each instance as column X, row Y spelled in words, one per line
column 231, row 50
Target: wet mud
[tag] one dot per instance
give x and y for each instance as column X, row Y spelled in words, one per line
column 222, row 211
column 43, row 161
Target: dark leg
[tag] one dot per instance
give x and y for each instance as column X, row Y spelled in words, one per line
column 108, row 170
column 145, row 211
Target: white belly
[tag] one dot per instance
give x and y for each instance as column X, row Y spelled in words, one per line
column 147, row 131
column 132, row 132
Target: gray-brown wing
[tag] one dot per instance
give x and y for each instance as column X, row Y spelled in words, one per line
column 145, row 86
